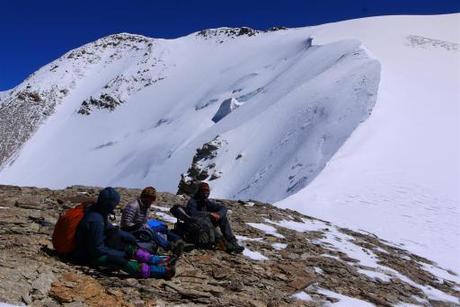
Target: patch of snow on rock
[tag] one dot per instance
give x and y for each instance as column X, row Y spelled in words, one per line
column 306, row 225
column 269, row 230
column 302, row 296
column 279, row 246
column 344, row 300
column 254, row 255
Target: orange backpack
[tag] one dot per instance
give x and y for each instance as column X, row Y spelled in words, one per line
column 66, row 229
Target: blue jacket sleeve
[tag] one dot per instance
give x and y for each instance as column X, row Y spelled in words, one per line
column 97, row 246
column 192, row 207
column 215, row 207
column 127, row 237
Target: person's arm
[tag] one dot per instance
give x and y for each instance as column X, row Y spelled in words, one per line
column 192, row 207
column 128, row 217
column 217, row 208
column 97, row 246
column 127, row 237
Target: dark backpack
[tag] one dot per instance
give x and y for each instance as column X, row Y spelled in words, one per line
column 146, row 239
column 197, row 230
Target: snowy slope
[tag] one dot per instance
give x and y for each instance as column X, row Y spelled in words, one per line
column 106, row 65
column 297, row 103
column 398, row 175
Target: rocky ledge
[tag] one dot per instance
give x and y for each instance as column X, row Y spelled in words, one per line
column 290, row 260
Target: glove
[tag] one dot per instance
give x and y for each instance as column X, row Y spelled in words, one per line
column 142, row 255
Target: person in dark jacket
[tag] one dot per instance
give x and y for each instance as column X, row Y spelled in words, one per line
column 94, row 243
column 200, row 204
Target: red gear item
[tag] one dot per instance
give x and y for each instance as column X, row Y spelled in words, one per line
column 66, row 229
column 215, row 216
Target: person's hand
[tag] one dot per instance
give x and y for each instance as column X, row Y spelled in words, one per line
column 215, row 216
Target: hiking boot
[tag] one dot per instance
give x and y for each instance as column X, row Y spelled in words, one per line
column 238, row 248
column 177, row 248
column 234, row 247
column 188, row 247
column 172, row 260
column 170, row 272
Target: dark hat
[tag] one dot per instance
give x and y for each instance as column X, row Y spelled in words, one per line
column 203, row 187
column 107, row 200
column 149, row 192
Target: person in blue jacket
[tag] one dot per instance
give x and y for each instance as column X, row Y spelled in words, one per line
column 96, row 237
column 200, row 205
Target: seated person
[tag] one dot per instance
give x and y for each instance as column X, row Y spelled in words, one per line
column 135, row 217
column 93, row 243
column 200, row 204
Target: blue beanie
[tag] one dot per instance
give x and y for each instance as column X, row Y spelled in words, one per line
column 108, row 199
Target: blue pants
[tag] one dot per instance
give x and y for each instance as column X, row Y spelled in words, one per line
column 162, row 235
column 164, row 238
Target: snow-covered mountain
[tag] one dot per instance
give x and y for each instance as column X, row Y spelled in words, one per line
column 131, row 111
column 259, row 114
column 398, row 175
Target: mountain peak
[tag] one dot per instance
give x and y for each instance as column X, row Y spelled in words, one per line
column 225, row 32
column 228, row 32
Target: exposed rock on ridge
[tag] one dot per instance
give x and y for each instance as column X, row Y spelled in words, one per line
column 287, row 255
column 26, row 107
column 203, row 167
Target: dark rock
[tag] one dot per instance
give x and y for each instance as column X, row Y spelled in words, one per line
column 105, row 101
column 277, row 28
column 202, row 167
column 301, row 282
column 235, row 285
column 227, row 106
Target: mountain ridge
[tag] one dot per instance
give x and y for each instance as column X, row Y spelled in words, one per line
column 136, row 68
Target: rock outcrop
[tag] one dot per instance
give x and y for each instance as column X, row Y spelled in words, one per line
column 228, row 32
column 203, row 167
column 21, row 112
column 290, row 260
column 24, row 108
column 226, row 107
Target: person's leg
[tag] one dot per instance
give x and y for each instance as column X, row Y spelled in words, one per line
column 143, row 256
column 131, row 267
column 114, row 241
column 170, row 241
column 144, row 270
column 226, row 229
column 161, row 271
column 155, row 259
column 158, row 267
column 136, row 269
column 161, row 241
column 172, row 237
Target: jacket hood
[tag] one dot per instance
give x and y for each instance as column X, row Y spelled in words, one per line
column 107, row 200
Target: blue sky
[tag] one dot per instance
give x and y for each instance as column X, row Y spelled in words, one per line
column 34, row 33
